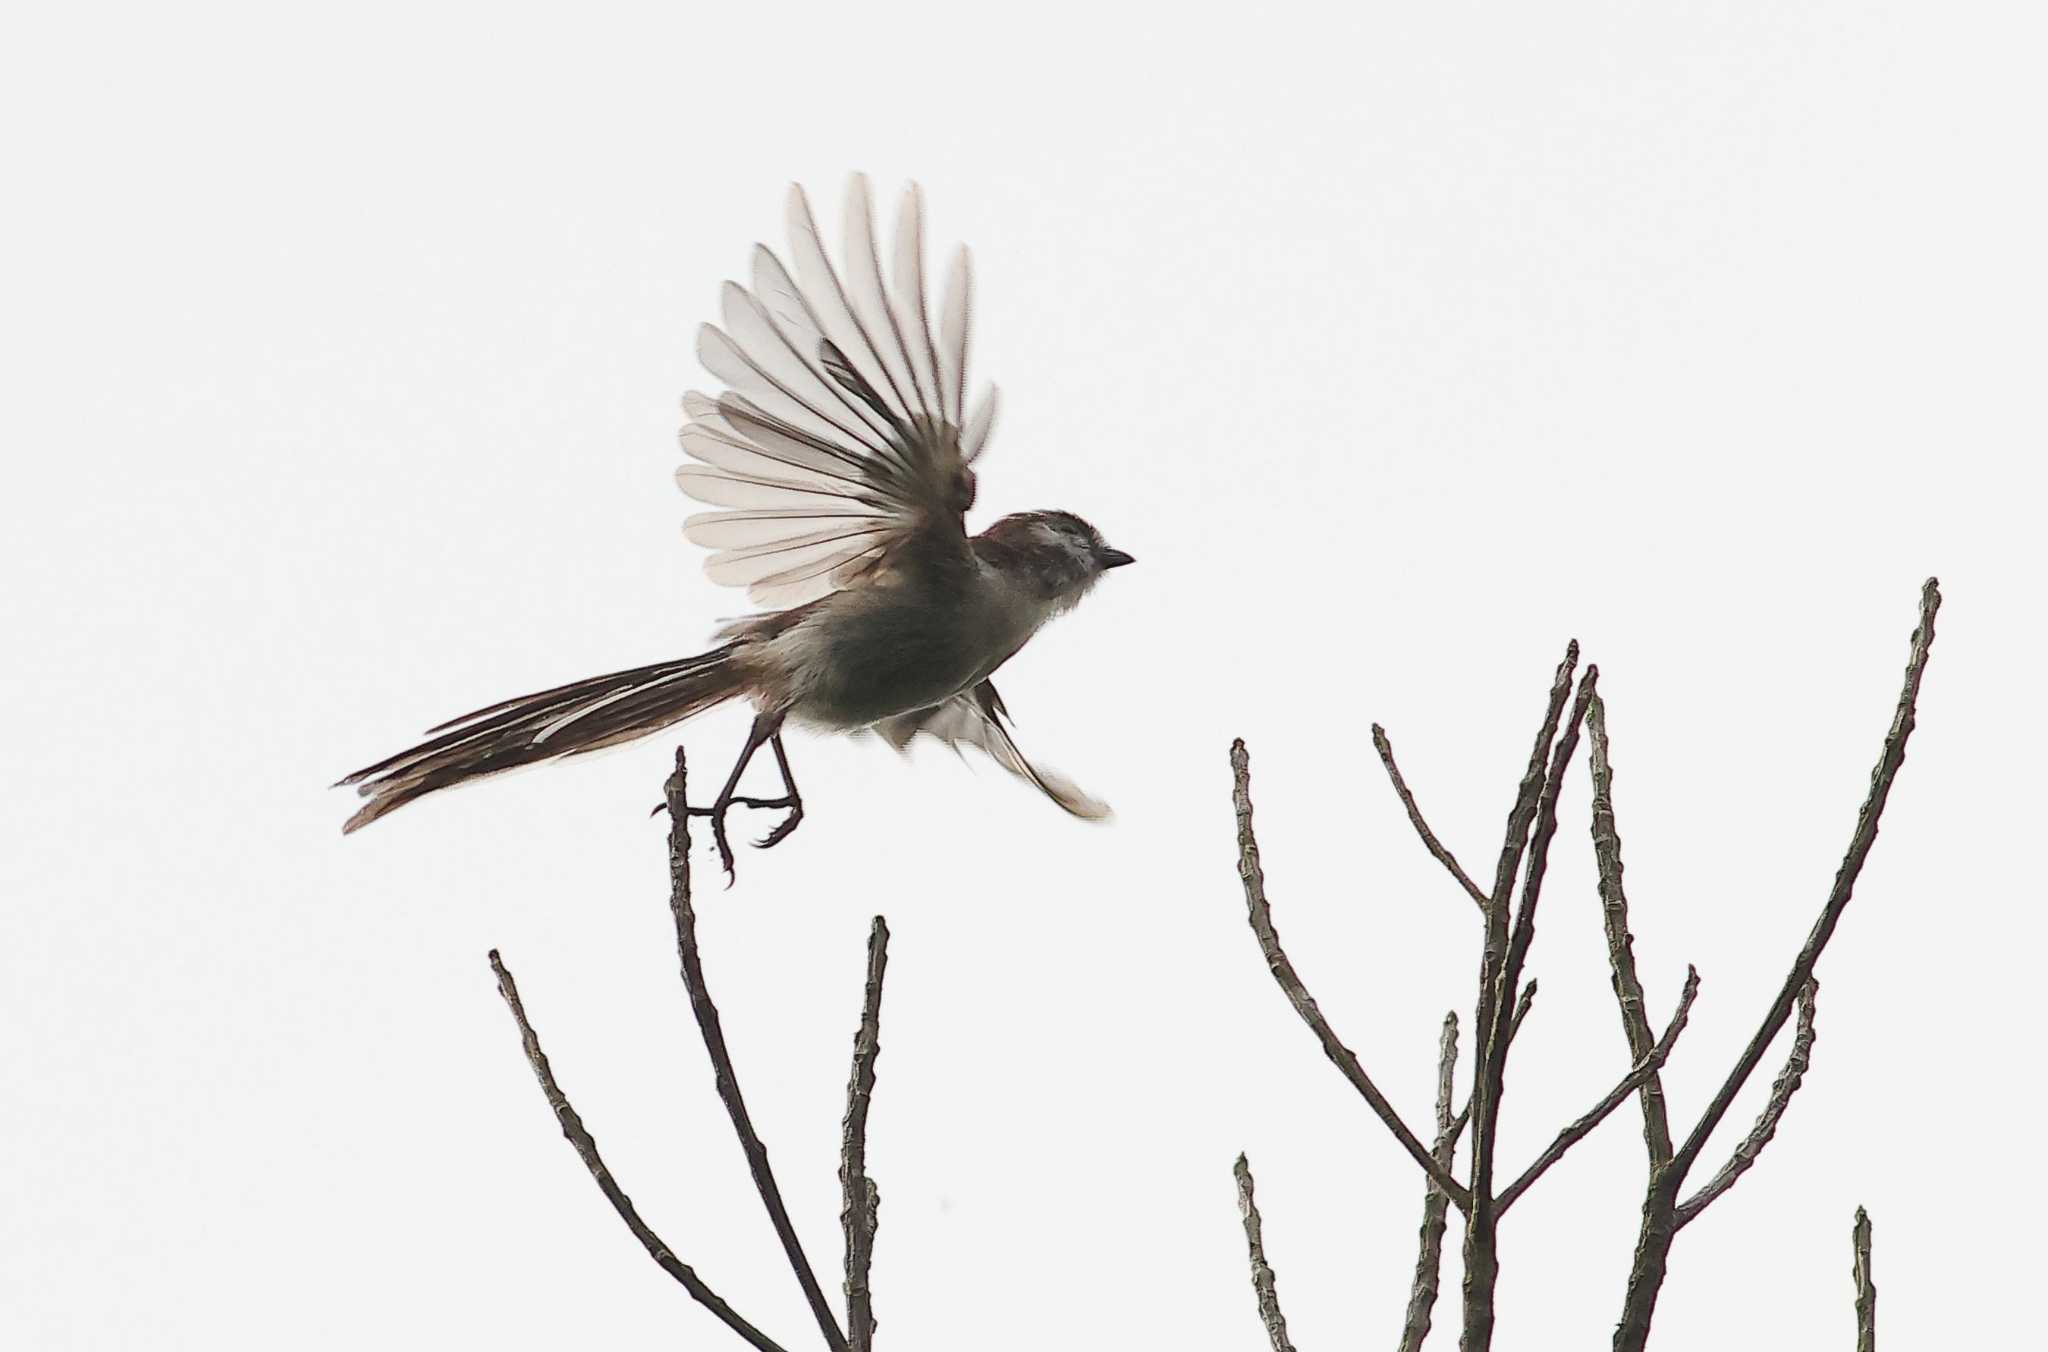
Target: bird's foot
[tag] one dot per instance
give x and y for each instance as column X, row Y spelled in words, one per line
column 716, row 812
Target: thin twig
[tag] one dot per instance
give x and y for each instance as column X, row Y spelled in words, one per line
column 1260, row 913
column 1616, row 1096
column 721, row 1060
column 1430, row 1245
column 1263, row 1280
column 858, row 1191
column 1429, row 841
column 1864, row 837
column 586, row 1147
column 1866, row 1289
column 1782, row 1089
column 1621, row 956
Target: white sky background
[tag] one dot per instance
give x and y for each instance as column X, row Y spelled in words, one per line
column 1399, row 346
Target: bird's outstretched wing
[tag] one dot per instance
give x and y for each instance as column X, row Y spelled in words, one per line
column 842, row 431
column 976, row 717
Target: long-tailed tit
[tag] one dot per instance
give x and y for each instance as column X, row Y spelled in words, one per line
column 840, row 457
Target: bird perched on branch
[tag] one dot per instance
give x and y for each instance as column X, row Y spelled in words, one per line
column 840, row 457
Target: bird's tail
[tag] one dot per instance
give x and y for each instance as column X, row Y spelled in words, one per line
column 581, row 716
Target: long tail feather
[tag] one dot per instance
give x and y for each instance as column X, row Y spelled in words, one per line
column 565, row 721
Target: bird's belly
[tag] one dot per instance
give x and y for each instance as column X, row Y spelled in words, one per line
column 856, row 667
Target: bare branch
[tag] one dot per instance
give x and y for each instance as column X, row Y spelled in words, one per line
column 1429, row 841
column 1866, row 1289
column 1482, row 1263
column 1430, row 1247
column 1539, row 844
column 857, row 1214
column 586, row 1147
column 1260, row 913
column 721, row 1060
column 1860, row 841
column 1782, row 1089
column 1616, row 1096
column 1621, row 956
column 1262, row 1274
column 1660, row 1203
column 1514, row 1028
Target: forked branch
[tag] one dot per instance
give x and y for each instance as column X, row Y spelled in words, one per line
column 727, row 1079
column 586, row 1147
column 1615, row 1097
column 1260, row 914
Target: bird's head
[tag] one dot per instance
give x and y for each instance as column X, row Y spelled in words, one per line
column 1055, row 555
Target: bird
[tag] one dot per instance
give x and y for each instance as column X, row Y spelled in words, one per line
column 840, row 458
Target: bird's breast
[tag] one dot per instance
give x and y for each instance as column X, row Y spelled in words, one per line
column 870, row 653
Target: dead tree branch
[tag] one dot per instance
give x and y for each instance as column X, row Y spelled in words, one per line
column 1866, row 1289
column 1501, row 958
column 1782, row 1089
column 1263, row 1280
column 1628, row 988
column 1429, row 841
column 721, row 1060
column 1616, row 1096
column 1430, row 1244
column 1661, row 1209
column 579, row 1137
column 857, row 1216
column 860, row 1196
column 1260, row 914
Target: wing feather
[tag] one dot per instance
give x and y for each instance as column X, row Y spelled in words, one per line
column 840, row 431
column 976, row 718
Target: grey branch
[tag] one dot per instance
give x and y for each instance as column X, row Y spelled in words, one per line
column 1621, row 957
column 1487, row 1044
column 1429, row 841
column 1866, row 1289
column 1616, row 1096
column 1864, row 836
column 1260, row 914
column 1782, row 1089
column 1544, row 831
column 1660, row 1214
column 586, row 1147
column 1263, row 1279
column 860, row 1197
column 1490, row 1027
column 721, row 1060
column 1430, row 1245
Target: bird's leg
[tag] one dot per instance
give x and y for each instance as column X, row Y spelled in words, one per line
column 766, row 726
column 791, row 799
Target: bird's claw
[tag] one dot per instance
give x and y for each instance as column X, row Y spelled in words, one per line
column 716, row 812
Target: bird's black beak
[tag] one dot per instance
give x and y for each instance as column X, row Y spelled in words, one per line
column 1115, row 558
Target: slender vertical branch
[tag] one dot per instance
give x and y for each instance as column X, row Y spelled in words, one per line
column 1866, row 1289
column 1621, row 956
column 586, row 1147
column 860, row 1197
column 721, row 1060
column 1782, row 1089
column 1263, row 1279
column 1430, row 1246
column 1429, row 841
column 1260, row 914
column 1539, row 858
column 1482, row 1264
